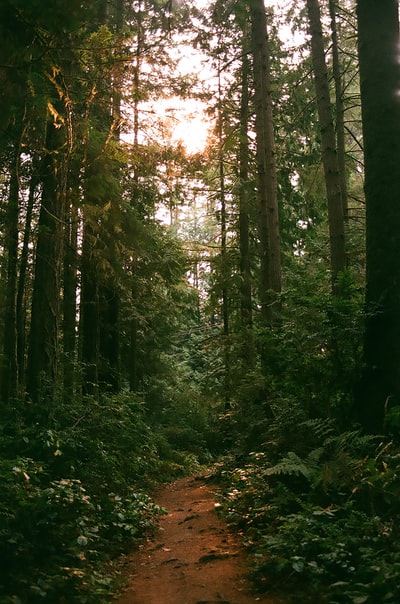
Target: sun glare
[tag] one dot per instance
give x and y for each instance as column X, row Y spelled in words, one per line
column 186, row 123
column 192, row 131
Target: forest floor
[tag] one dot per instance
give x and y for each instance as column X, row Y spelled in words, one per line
column 193, row 559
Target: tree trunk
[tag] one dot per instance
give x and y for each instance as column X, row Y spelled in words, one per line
column 9, row 373
column 340, row 129
column 246, row 311
column 223, row 266
column 22, row 298
column 244, row 202
column 42, row 366
column 70, row 286
column 109, row 339
column 378, row 48
column 328, row 145
column 89, row 315
column 134, row 324
column 270, row 256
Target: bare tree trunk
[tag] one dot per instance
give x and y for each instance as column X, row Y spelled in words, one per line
column 246, row 310
column 328, row 145
column 9, row 373
column 43, row 353
column 378, row 48
column 271, row 278
column 223, row 266
column 89, row 314
column 23, row 275
column 340, row 129
column 70, row 283
column 134, row 325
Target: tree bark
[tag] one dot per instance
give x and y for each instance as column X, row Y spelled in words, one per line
column 224, row 261
column 339, row 112
column 22, row 298
column 70, row 287
column 378, row 48
column 246, row 303
column 270, row 256
column 246, row 312
column 328, row 145
column 9, row 374
column 89, row 314
column 43, row 353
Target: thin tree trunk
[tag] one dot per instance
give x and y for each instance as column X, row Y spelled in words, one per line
column 271, row 278
column 340, row 129
column 69, row 301
column 328, row 145
column 134, row 324
column 23, row 272
column 223, row 267
column 109, row 356
column 89, row 315
column 246, row 312
column 244, row 202
column 9, row 374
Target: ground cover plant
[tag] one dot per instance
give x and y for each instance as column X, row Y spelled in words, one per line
column 76, row 497
column 320, row 519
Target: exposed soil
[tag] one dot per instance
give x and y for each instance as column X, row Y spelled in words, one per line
column 193, row 559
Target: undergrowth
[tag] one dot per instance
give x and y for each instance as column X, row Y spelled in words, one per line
column 75, row 484
column 318, row 509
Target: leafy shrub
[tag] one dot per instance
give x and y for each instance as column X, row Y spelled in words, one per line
column 340, row 552
column 324, row 515
column 74, row 499
column 46, row 533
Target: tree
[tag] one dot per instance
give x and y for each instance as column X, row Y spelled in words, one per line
column 270, row 255
column 340, row 109
column 43, row 353
column 328, row 144
column 378, row 48
column 246, row 310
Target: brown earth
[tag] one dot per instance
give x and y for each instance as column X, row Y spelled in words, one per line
column 193, row 559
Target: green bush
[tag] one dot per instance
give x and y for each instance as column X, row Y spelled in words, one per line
column 340, row 552
column 321, row 520
column 74, row 499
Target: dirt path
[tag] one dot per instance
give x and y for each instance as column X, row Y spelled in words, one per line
column 193, row 559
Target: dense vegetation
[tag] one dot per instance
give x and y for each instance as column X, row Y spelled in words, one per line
column 162, row 308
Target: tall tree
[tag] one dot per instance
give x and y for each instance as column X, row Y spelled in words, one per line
column 339, row 106
column 378, row 48
column 223, row 222
column 43, row 353
column 270, row 254
column 328, row 144
column 9, row 377
column 245, row 199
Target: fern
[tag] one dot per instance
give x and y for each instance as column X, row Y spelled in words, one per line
column 293, row 465
column 320, row 428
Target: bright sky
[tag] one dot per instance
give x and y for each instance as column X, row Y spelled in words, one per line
column 189, row 123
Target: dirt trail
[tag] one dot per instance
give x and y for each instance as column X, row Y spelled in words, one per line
column 193, row 558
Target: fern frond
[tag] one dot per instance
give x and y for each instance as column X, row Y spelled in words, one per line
column 350, row 442
column 319, row 427
column 292, row 465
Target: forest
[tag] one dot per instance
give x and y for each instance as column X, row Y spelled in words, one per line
column 200, row 267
